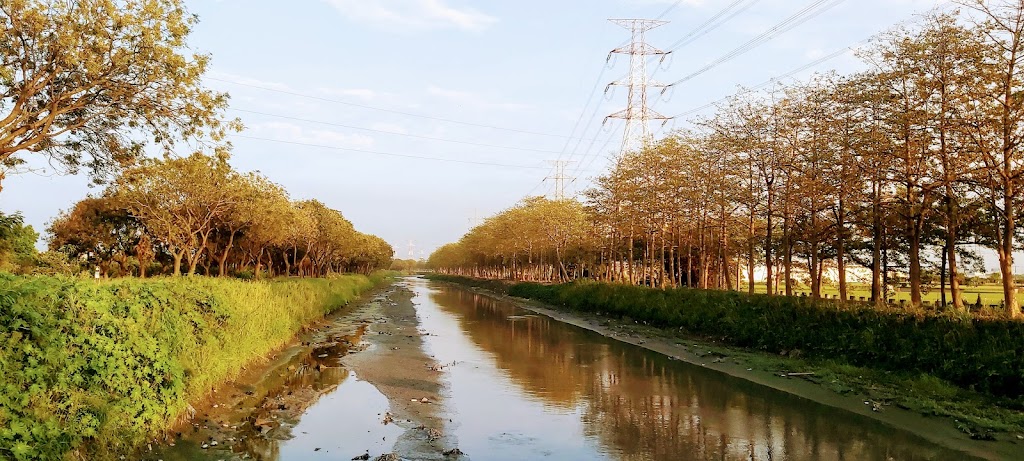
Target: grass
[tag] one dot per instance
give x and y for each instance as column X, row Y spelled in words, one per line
column 991, row 294
column 89, row 369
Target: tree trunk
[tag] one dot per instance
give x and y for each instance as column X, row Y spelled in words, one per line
column 942, row 278
column 951, row 237
column 915, row 263
column 177, row 262
column 877, row 291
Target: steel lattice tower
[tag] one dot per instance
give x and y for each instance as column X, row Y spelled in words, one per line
column 560, row 177
column 637, row 113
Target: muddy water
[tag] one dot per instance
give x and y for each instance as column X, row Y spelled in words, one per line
column 529, row 387
column 515, row 386
column 303, row 404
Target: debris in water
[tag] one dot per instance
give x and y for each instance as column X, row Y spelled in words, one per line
column 454, row 452
column 362, row 457
column 388, row 457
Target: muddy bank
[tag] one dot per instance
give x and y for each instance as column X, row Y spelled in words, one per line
column 356, row 385
column 258, row 415
column 412, row 381
column 753, row 367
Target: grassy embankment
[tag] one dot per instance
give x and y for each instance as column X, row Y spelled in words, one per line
column 91, row 369
column 967, row 368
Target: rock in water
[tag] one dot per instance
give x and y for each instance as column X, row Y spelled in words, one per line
column 453, row 452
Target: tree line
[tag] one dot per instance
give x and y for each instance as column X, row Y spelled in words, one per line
column 906, row 167
column 96, row 85
column 189, row 215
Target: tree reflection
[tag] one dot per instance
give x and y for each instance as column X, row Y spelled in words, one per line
column 640, row 405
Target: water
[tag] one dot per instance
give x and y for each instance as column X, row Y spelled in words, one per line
column 316, row 408
column 529, row 387
column 526, row 387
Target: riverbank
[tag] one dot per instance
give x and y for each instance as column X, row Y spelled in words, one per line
column 93, row 369
column 924, row 405
column 358, row 383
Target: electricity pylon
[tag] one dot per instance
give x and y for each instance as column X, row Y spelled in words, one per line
column 637, row 113
column 559, row 177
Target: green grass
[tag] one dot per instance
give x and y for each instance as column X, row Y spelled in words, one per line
column 90, row 369
column 991, row 294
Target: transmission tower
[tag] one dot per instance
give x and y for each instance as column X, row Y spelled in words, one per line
column 559, row 177
column 637, row 114
column 412, row 249
column 475, row 219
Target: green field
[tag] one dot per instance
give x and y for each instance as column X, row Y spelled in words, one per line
column 991, row 294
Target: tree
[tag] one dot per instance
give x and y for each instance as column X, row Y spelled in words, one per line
column 17, row 241
column 995, row 125
column 87, row 84
column 178, row 200
column 98, row 229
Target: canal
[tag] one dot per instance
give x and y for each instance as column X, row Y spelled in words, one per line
column 520, row 386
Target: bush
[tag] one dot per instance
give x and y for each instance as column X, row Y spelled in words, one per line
column 95, row 368
column 983, row 354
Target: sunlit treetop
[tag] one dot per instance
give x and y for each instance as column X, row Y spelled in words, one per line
column 88, row 84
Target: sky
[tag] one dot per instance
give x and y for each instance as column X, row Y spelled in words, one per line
column 417, row 118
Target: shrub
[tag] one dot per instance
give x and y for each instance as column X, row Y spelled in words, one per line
column 95, row 367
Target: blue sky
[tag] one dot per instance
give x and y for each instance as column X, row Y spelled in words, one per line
column 527, row 67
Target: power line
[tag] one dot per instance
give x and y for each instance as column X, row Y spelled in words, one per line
column 579, row 120
column 597, row 107
column 670, row 9
column 392, row 111
column 710, row 25
column 389, row 154
column 593, row 158
column 584, row 165
column 809, row 12
column 322, row 122
column 772, row 80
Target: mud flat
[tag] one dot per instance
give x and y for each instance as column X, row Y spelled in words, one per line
column 397, row 365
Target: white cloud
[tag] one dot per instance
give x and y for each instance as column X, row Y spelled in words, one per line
column 415, row 14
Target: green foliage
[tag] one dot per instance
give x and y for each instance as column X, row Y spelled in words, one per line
column 17, row 242
column 93, row 368
column 982, row 354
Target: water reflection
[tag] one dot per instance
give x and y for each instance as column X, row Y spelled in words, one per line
column 629, row 403
column 306, row 406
